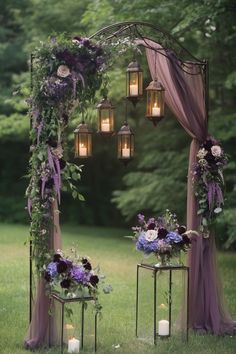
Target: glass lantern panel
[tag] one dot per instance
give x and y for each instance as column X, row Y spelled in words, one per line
column 106, row 120
column 140, row 83
column 133, row 84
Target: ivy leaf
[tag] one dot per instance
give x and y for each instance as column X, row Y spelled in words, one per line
column 74, row 194
column 74, row 176
column 81, row 198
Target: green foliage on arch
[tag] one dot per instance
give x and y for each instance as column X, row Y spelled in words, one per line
column 66, row 74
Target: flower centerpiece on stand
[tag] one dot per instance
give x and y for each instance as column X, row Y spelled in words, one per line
column 208, row 182
column 162, row 236
column 74, row 277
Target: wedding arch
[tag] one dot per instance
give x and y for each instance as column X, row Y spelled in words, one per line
column 66, row 73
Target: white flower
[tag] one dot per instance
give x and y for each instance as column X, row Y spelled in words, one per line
column 150, row 235
column 216, row 150
column 201, row 153
column 63, row 71
column 43, row 231
column 202, row 162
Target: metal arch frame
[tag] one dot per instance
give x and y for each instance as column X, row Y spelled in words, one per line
column 118, row 30
column 134, row 29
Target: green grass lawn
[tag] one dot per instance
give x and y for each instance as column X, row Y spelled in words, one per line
column 117, row 258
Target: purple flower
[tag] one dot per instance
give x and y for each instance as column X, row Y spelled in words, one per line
column 86, row 264
column 56, row 257
column 52, row 269
column 173, row 237
column 62, row 266
column 181, row 229
column 162, row 232
column 146, row 246
column 141, row 218
column 65, row 283
column 80, row 275
column 94, row 280
column 151, row 226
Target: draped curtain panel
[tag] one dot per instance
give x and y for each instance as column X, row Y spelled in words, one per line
column 43, row 327
column 185, row 96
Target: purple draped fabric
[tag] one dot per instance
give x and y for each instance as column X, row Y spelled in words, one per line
column 185, row 96
column 42, row 330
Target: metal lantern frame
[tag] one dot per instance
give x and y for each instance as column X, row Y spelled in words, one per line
column 125, row 143
column 83, row 141
column 134, row 82
column 155, row 101
column 105, row 111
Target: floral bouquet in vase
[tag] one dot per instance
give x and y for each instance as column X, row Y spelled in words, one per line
column 162, row 236
column 74, row 276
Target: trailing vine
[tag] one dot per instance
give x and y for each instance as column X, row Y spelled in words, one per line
column 66, row 75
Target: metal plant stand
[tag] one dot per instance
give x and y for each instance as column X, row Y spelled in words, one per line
column 156, row 269
column 62, row 301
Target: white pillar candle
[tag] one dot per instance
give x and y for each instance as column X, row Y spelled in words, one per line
column 163, row 328
column 133, row 90
column 125, row 151
column 105, row 126
column 82, row 150
column 73, row 345
column 156, row 111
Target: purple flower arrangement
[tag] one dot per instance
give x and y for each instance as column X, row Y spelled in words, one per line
column 208, row 182
column 70, row 276
column 162, row 236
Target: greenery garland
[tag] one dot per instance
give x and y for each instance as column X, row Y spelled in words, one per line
column 66, row 75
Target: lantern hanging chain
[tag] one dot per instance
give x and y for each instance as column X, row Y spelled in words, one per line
column 126, row 112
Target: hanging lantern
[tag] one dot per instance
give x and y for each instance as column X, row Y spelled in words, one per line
column 105, row 116
column 83, row 141
column 155, row 101
column 125, row 143
column 134, row 82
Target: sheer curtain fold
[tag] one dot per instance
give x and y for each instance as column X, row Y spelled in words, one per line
column 185, row 97
column 42, row 329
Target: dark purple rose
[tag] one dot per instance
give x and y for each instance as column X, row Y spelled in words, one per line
column 162, row 232
column 210, row 158
column 85, row 42
column 94, row 280
column 67, row 57
column 61, row 267
column 208, row 144
column 181, row 229
column 50, row 183
column 47, row 277
column 151, row 226
column 62, row 164
column 52, row 142
column 56, row 257
column 65, row 283
column 186, row 239
column 86, row 264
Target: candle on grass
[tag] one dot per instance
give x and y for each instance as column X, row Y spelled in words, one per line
column 68, row 332
column 73, row 345
column 163, row 328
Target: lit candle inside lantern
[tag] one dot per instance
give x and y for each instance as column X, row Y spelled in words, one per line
column 125, row 151
column 82, row 150
column 68, row 332
column 163, row 328
column 133, row 89
column 105, row 125
column 73, row 345
column 156, row 111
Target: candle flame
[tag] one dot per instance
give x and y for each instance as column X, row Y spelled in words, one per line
column 162, row 306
